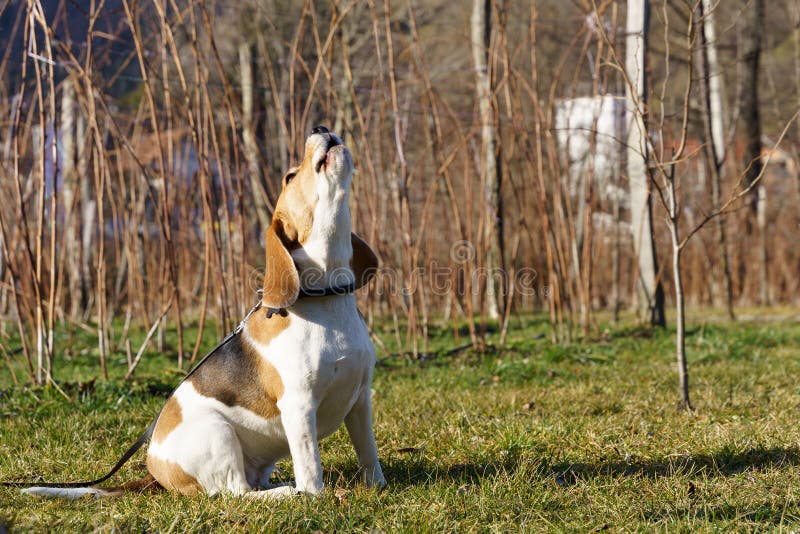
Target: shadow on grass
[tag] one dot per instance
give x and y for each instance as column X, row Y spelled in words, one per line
column 724, row 462
column 416, row 470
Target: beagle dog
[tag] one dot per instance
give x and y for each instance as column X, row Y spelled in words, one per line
column 298, row 367
column 292, row 377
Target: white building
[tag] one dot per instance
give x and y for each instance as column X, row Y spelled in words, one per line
column 591, row 133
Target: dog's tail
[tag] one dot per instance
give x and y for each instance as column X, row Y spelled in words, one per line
column 75, row 490
column 147, row 484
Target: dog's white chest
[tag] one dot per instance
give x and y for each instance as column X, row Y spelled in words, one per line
column 325, row 354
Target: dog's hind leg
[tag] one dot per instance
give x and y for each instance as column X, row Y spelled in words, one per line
column 258, row 476
column 208, row 452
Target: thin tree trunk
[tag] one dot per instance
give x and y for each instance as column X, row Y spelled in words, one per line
column 71, row 244
column 248, row 134
column 711, row 84
column 616, row 290
column 763, row 258
column 650, row 290
column 680, row 319
column 722, row 239
column 87, row 216
column 480, row 23
column 674, row 209
column 40, row 153
column 619, row 130
column 752, row 25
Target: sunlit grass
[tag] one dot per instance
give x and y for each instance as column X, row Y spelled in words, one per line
column 530, row 436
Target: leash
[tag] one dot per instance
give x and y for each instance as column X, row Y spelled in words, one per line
column 147, row 434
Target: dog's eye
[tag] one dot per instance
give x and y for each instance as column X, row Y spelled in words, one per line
column 289, row 177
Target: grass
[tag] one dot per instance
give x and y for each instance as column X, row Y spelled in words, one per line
column 530, row 437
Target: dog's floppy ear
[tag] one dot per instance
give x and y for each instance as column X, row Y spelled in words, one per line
column 281, row 281
column 364, row 262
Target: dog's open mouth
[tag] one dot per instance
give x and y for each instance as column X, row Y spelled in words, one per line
column 331, row 143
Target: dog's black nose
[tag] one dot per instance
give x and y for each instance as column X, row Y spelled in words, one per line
column 319, row 130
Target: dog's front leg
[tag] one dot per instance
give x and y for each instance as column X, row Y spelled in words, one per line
column 299, row 418
column 359, row 427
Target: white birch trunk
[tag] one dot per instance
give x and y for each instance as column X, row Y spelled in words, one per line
column 72, row 247
column 650, row 292
column 714, row 82
column 480, row 22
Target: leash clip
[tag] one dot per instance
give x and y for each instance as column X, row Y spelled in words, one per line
column 275, row 311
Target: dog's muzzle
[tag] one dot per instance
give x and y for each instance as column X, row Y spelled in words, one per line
column 330, row 142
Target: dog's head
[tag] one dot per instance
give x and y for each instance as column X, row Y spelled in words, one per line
column 310, row 238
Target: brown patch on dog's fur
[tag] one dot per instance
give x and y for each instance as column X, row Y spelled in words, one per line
column 364, row 262
column 267, row 405
column 172, row 476
column 263, row 330
column 170, row 417
column 238, row 376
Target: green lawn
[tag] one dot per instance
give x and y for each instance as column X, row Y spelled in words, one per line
column 530, row 436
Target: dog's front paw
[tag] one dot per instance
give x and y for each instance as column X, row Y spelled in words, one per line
column 312, row 489
column 373, row 477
